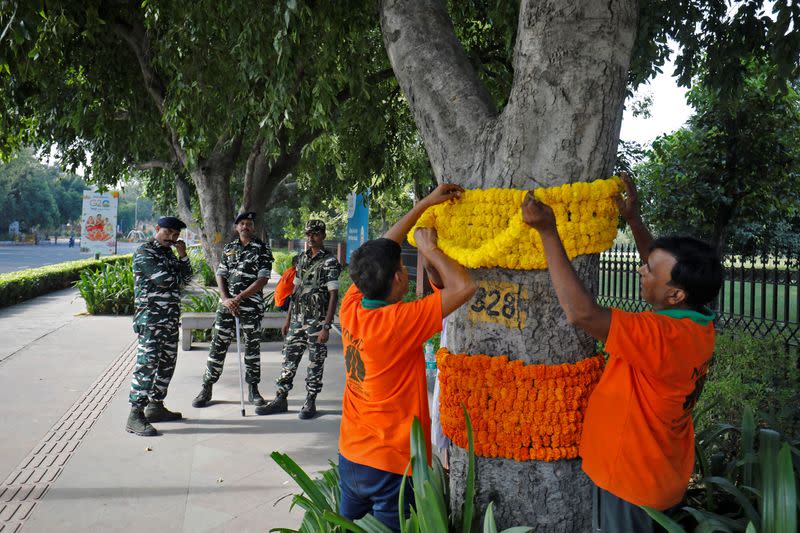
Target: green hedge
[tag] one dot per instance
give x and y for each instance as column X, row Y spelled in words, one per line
column 22, row 285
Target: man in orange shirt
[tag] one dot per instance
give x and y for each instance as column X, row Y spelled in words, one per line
column 638, row 438
column 382, row 340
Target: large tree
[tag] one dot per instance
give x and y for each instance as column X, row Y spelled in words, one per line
column 572, row 62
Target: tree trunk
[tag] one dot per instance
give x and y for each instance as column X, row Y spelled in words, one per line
column 183, row 193
column 263, row 177
column 561, row 124
column 211, row 178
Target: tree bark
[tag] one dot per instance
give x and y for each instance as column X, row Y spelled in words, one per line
column 183, row 193
column 561, row 124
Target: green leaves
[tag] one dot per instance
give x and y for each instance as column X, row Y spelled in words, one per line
column 732, row 169
column 108, row 289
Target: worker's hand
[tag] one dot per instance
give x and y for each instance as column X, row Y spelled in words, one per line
column 180, row 246
column 628, row 201
column 323, row 336
column 426, row 239
column 442, row 193
column 537, row 214
column 285, row 327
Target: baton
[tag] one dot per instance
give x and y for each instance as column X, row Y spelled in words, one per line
column 239, row 354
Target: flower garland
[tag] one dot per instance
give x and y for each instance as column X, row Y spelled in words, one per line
column 485, row 228
column 521, row 412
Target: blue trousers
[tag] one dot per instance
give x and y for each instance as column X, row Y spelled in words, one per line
column 611, row 514
column 367, row 490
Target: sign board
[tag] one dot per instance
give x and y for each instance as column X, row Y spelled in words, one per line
column 99, row 222
column 357, row 222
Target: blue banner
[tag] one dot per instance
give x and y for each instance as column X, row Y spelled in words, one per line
column 357, row 222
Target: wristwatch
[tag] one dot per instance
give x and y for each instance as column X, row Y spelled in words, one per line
column 327, row 325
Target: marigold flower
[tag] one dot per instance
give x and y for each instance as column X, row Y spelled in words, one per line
column 485, row 229
column 520, row 412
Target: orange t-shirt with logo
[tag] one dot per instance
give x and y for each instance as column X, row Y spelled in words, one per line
column 385, row 386
column 638, row 435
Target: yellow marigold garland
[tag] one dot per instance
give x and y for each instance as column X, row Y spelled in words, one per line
column 521, row 412
column 485, row 228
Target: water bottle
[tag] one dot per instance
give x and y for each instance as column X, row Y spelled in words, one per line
column 430, row 362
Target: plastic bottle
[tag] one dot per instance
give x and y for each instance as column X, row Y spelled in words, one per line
column 430, row 361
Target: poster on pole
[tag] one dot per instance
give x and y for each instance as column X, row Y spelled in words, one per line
column 357, row 222
column 99, row 222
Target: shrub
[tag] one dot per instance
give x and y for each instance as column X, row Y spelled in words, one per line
column 107, row 289
column 22, row 285
column 207, row 302
column 200, row 267
column 282, row 261
column 758, row 373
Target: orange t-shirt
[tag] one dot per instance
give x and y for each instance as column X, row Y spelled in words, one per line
column 638, row 435
column 285, row 286
column 385, row 386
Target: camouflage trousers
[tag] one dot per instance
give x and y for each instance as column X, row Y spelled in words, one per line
column 155, row 362
column 224, row 334
column 303, row 333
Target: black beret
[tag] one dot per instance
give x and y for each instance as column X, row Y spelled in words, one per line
column 249, row 215
column 171, row 223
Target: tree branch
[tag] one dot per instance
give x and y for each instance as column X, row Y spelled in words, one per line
column 449, row 102
column 136, row 37
column 150, row 165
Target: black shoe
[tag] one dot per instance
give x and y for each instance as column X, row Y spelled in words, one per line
column 253, row 395
column 309, row 409
column 156, row 412
column 278, row 405
column 202, row 399
column 138, row 424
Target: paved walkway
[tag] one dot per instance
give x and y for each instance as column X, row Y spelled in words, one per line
column 68, row 464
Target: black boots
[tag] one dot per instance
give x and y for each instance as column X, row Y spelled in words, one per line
column 202, row 399
column 309, row 409
column 278, row 405
column 254, row 396
column 138, row 424
column 156, row 412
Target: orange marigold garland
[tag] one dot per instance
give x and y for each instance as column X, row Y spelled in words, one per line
column 521, row 412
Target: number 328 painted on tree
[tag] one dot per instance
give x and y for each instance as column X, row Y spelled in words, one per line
column 499, row 302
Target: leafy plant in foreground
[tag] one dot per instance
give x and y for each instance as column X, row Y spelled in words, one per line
column 753, row 491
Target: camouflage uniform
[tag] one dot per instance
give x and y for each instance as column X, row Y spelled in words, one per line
column 159, row 276
column 315, row 277
column 240, row 267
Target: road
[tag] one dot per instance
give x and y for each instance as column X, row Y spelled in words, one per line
column 15, row 257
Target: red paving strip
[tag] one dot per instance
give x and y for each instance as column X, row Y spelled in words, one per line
column 28, row 483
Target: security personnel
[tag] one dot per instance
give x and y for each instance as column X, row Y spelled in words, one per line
column 159, row 276
column 243, row 271
column 309, row 321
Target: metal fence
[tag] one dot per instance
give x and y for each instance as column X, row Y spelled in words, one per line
column 760, row 294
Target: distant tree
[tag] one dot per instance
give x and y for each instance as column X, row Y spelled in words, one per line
column 26, row 194
column 732, row 175
column 68, row 193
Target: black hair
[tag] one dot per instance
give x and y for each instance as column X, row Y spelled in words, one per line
column 698, row 269
column 295, row 260
column 373, row 265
